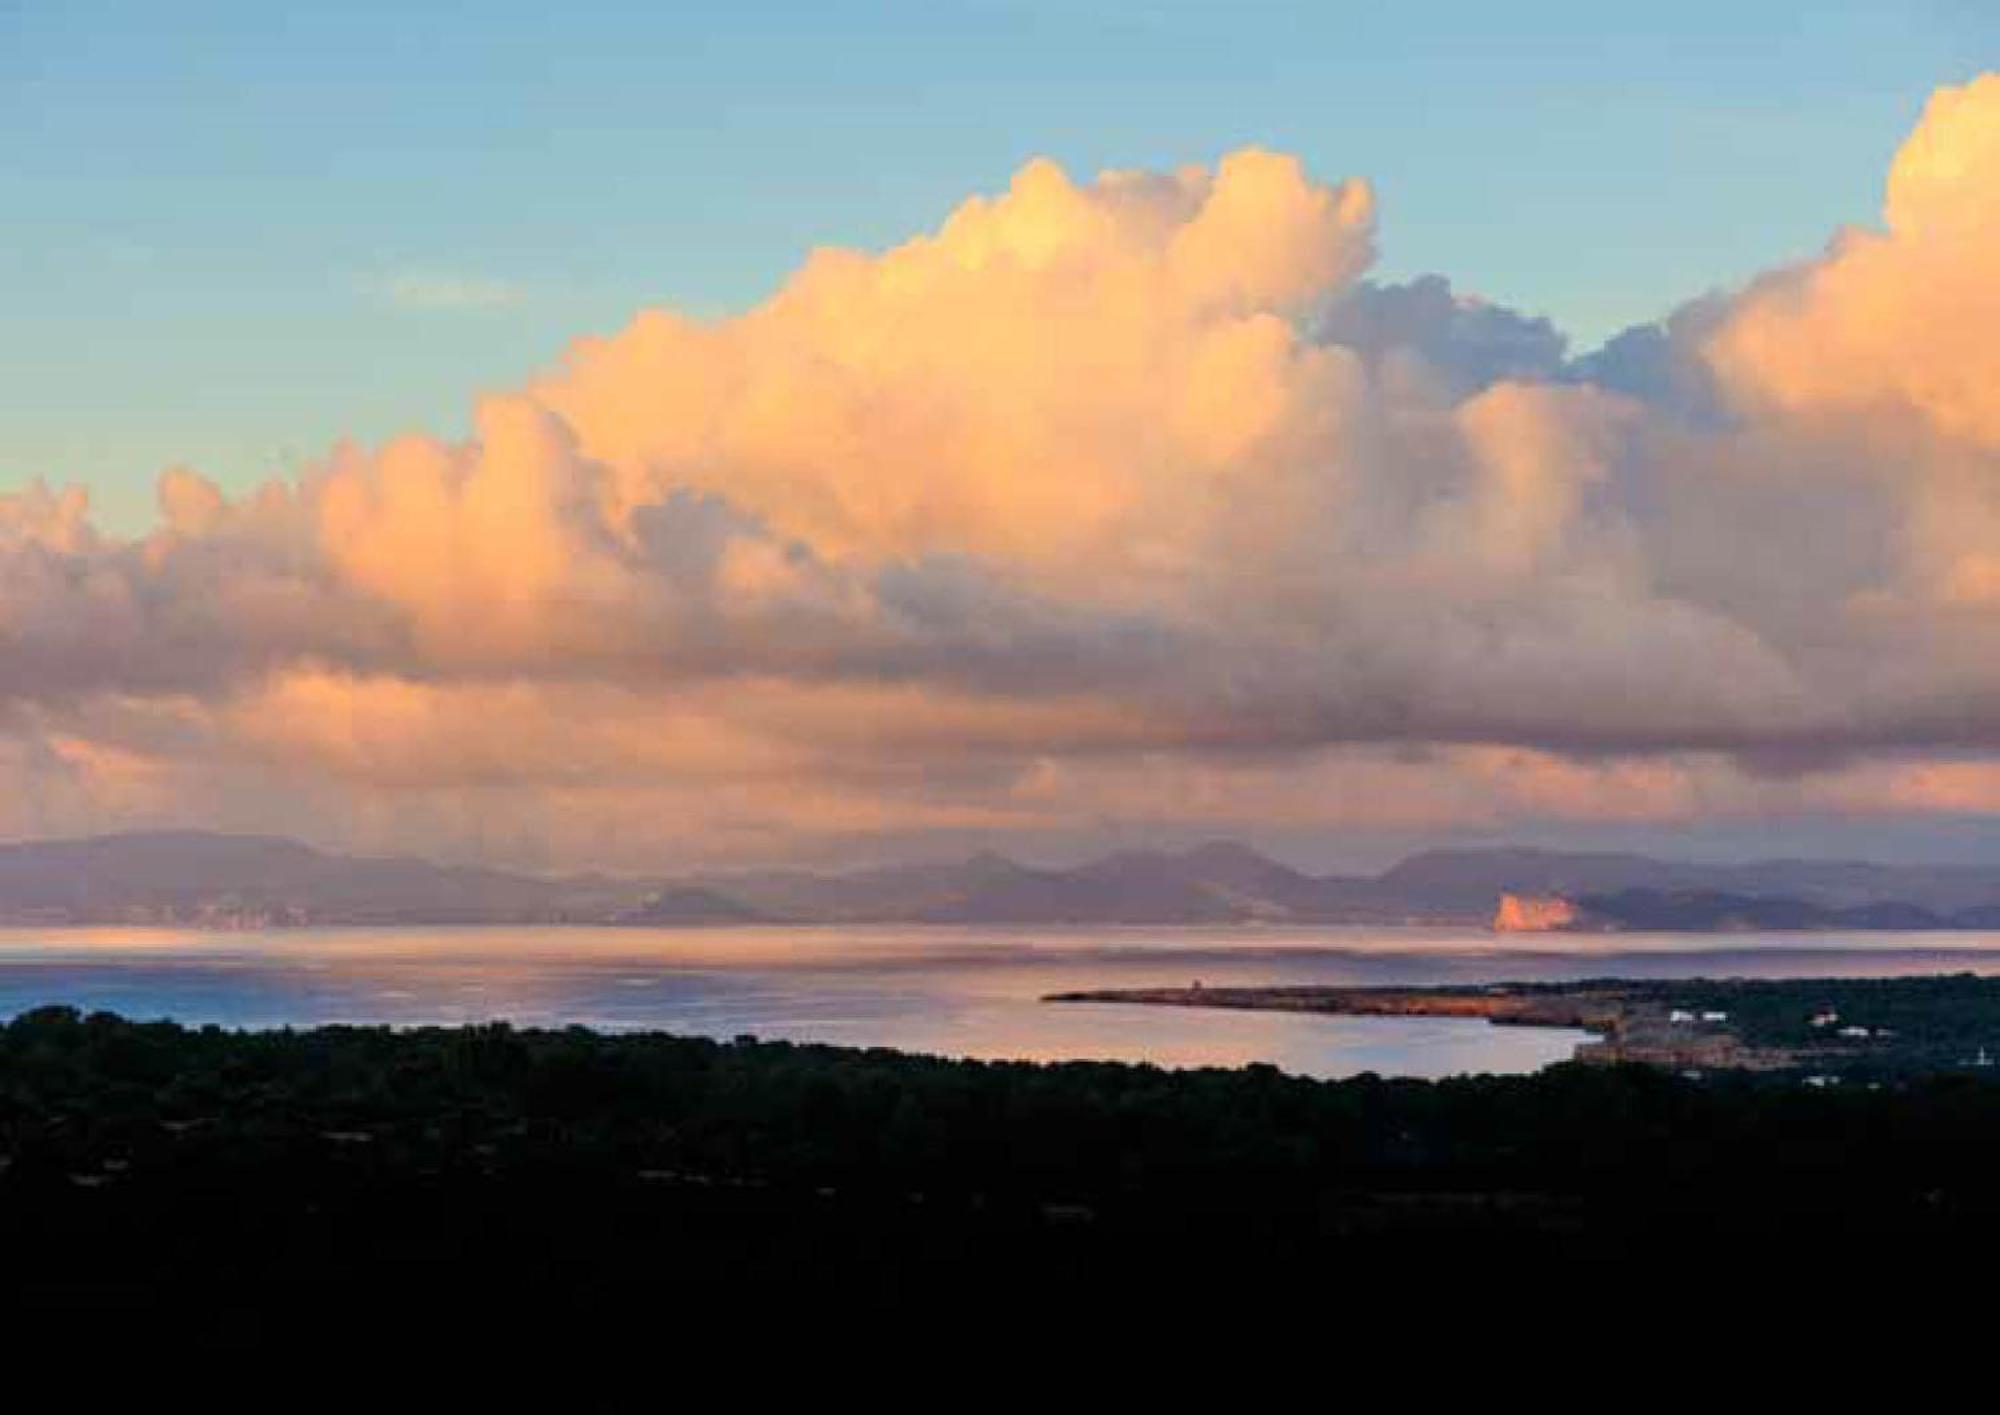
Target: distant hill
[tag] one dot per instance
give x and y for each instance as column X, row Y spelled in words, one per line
column 1461, row 879
column 1220, row 883
column 688, row 904
column 208, row 880
column 1707, row 911
column 1228, row 883
column 191, row 877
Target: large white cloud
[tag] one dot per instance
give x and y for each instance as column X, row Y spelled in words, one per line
column 1129, row 492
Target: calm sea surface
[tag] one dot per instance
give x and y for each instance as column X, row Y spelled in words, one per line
column 952, row 991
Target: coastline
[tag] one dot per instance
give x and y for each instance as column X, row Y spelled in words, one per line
column 1630, row 1023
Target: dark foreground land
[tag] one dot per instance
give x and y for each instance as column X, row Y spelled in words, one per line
column 213, row 1189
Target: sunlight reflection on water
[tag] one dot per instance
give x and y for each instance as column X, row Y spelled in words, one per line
column 955, row 991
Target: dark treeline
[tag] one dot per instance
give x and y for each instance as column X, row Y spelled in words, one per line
column 1917, row 1025
column 222, row 1184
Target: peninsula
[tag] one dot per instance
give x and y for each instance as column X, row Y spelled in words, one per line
column 1822, row 1028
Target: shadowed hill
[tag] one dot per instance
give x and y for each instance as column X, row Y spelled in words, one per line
column 194, row 878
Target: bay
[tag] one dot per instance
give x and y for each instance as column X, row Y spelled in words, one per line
column 955, row 991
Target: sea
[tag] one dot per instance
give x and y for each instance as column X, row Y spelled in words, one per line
column 950, row 991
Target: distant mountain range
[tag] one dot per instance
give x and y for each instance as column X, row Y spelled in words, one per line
column 1709, row 911
column 191, row 877
column 228, row 881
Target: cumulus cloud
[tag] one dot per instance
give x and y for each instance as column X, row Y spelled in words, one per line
column 1128, row 500
column 1427, row 331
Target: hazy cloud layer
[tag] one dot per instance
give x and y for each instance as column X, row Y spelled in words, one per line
column 1130, row 502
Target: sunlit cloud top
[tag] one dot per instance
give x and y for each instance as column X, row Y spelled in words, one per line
column 1126, row 502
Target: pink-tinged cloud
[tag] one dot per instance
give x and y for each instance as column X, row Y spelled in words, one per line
column 1127, row 502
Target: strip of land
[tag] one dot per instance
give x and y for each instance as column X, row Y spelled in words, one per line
column 1825, row 1026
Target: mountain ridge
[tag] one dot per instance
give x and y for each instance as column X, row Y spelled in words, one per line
column 213, row 879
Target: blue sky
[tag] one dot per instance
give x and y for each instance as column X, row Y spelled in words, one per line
column 231, row 234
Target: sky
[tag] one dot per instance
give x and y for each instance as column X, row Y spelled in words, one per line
column 633, row 437
column 255, row 228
